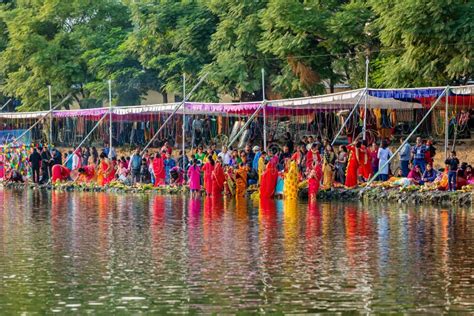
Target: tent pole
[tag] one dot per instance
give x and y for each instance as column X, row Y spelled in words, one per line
column 44, row 116
column 364, row 128
column 264, row 112
column 174, row 112
column 50, row 116
column 407, row 138
column 110, row 119
column 184, row 121
column 242, row 129
column 3, row 106
column 87, row 136
column 348, row 117
column 446, row 126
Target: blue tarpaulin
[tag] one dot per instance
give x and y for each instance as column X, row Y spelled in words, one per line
column 11, row 137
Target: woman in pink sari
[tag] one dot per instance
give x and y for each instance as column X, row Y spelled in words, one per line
column 159, row 170
column 194, row 176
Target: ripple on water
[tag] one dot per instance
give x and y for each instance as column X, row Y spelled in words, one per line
column 85, row 252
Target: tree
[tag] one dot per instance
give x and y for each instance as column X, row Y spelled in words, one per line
column 353, row 37
column 237, row 61
column 295, row 32
column 46, row 42
column 171, row 38
column 425, row 42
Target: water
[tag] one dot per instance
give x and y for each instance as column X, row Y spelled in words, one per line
column 86, row 252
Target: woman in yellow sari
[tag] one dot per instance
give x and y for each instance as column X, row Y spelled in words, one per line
column 329, row 160
column 290, row 187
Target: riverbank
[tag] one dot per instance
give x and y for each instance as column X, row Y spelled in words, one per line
column 408, row 195
column 399, row 195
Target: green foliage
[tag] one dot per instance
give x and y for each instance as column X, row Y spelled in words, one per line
column 237, row 61
column 171, row 38
column 427, row 42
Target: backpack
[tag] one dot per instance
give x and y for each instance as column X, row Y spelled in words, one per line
column 136, row 162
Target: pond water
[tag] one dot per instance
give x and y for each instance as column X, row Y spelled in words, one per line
column 98, row 252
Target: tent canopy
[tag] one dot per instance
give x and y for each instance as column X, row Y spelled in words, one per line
column 414, row 98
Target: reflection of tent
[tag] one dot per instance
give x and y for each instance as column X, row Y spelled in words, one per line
column 377, row 98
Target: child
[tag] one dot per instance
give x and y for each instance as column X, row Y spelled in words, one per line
column 452, row 163
column 145, row 176
column 194, row 176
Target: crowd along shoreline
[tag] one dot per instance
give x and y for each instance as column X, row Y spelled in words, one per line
column 407, row 195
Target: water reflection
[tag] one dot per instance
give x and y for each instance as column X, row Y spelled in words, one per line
column 128, row 253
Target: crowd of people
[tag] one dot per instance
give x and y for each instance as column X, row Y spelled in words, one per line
column 276, row 172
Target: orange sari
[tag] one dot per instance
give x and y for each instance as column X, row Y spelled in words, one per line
column 241, row 181
column 102, row 173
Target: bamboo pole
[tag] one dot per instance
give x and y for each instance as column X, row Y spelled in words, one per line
column 446, row 126
column 264, row 112
column 184, row 122
column 364, row 127
column 242, row 129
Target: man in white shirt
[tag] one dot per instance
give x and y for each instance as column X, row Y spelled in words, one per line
column 76, row 159
column 225, row 156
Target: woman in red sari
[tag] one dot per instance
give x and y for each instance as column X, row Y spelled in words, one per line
column 365, row 164
column 352, row 165
column 218, row 179
column 208, row 169
column 269, row 181
column 86, row 174
column 159, row 170
column 315, row 174
column 112, row 170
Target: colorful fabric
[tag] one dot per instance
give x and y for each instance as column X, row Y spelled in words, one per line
column 60, row 173
column 268, row 181
column 352, row 167
column 241, row 181
column 194, row 176
column 208, row 169
column 159, row 171
column 218, row 179
column 290, row 189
